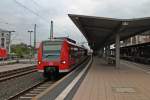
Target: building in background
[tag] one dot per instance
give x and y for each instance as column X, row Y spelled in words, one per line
column 4, row 39
column 138, row 39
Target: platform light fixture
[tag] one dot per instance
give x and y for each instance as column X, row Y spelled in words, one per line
column 125, row 23
column 76, row 18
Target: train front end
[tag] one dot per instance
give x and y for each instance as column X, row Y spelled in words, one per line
column 49, row 58
column 52, row 58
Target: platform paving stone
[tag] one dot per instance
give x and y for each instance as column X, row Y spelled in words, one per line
column 105, row 82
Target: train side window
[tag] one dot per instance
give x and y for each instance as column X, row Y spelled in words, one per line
column 74, row 52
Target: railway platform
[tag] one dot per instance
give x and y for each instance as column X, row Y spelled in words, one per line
column 105, row 82
column 5, row 68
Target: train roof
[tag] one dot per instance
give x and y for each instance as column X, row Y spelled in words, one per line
column 77, row 45
column 62, row 39
column 68, row 39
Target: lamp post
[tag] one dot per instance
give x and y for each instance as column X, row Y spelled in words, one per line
column 34, row 38
column 30, row 31
column 10, row 40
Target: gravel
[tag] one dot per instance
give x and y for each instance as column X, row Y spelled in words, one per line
column 11, row 87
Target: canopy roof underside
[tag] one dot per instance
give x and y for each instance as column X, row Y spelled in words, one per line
column 100, row 31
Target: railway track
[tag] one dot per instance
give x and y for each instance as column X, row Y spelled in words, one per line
column 32, row 91
column 16, row 73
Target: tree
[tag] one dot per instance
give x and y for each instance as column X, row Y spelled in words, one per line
column 22, row 50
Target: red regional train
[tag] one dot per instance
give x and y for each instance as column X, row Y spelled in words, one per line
column 3, row 53
column 59, row 55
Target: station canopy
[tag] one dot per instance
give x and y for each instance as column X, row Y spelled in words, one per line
column 101, row 31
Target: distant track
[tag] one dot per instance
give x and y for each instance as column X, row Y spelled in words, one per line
column 10, row 62
column 16, row 73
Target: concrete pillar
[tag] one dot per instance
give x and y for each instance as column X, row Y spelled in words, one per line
column 117, row 50
column 103, row 53
column 108, row 50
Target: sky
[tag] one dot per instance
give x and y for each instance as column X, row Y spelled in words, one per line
column 21, row 15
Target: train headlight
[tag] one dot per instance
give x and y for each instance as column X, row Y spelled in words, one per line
column 39, row 62
column 63, row 62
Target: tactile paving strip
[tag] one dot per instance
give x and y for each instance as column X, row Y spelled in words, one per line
column 124, row 89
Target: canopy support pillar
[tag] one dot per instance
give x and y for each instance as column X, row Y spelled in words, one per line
column 117, row 50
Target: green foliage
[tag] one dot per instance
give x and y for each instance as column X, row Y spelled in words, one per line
column 22, row 50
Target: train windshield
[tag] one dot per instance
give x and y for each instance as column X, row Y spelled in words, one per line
column 51, row 50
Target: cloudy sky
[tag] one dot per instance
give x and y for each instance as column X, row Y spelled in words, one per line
column 21, row 15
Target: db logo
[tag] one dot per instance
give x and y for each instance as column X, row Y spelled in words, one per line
column 50, row 63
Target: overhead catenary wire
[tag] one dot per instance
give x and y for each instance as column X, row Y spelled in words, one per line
column 4, row 22
column 36, row 3
column 31, row 11
column 39, row 6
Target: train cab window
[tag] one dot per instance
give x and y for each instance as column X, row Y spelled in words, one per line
column 51, row 51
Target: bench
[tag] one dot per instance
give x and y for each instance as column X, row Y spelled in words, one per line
column 111, row 60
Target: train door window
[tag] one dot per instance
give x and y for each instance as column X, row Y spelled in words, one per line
column 74, row 52
column 71, row 52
